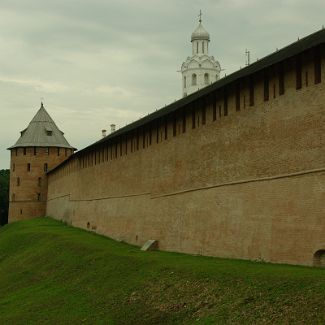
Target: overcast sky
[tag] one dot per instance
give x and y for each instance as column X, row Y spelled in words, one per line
column 97, row 62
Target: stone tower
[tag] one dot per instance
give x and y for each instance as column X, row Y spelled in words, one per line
column 200, row 69
column 41, row 147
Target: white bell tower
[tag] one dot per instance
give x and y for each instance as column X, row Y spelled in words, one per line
column 199, row 70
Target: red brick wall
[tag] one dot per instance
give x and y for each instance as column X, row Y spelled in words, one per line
column 248, row 185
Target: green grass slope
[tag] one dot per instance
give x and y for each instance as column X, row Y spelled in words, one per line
column 54, row 274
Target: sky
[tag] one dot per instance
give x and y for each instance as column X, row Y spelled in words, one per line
column 98, row 62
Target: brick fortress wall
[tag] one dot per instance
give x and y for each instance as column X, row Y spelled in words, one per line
column 238, row 173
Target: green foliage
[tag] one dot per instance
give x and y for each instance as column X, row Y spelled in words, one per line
column 4, row 195
column 51, row 273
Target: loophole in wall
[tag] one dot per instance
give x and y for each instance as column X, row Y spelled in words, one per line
column 319, row 258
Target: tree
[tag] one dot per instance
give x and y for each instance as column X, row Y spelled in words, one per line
column 4, row 195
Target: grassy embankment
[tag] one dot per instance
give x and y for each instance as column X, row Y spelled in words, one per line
column 54, row 274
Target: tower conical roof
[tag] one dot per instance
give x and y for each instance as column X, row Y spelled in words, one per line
column 42, row 132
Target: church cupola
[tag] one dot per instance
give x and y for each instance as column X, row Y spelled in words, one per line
column 200, row 39
column 200, row 69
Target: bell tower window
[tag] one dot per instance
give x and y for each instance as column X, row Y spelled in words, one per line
column 206, row 78
column 194, row 79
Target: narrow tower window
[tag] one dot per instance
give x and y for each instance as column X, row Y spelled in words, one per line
column 24, row 151
column 18, row 181
column 202, row 47
column 28, row 167
column 206, row 79
column 40, row 181
column 34, row 151
column 193, row 79
column 197, row 47
column 38, row 196
column 58, row 151
column 45, row 167
column 184, row 82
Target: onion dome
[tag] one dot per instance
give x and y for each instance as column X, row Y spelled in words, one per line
column 200, row 34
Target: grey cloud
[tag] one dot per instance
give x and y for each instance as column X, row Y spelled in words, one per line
column 97, row 62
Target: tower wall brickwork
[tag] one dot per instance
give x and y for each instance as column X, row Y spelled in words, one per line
column 28, row 179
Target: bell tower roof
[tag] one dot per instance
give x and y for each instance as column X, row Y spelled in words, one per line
column 42, row 132
column 200, row 33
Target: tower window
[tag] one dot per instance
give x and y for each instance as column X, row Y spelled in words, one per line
column 202, row 47
column 18, row 181
column 206, row 78
column 38, row 196
column 58, row 151
column 28, row 167
column 13, row 167
column 40, row 181
column 24, row 151
column 45, row 167
column 34, row 151
column 13, row 197
column 184, row 82
column 194, row 79
column 197, row 47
